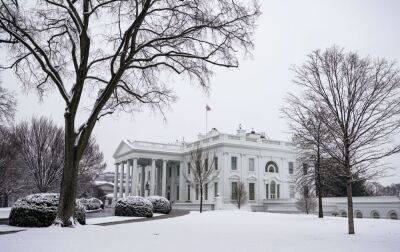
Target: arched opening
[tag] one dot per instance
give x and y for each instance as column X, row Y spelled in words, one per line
column 358, row 214
column 393, row 215
column 271, row 166
column 375, row 214
column 273, row 190
column 343, row 213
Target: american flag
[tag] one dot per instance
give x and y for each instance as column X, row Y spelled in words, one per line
column 208, row 108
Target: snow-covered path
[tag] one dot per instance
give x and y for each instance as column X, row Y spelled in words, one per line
column 215, row 231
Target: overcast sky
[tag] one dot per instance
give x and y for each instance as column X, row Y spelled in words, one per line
column 252, row 94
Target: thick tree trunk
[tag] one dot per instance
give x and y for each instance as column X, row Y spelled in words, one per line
column 318, row 184
column 66, row 206
column 201, row 199
column 350, row 217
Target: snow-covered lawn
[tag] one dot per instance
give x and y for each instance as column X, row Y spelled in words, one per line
column 108, row 219
column 215, row 231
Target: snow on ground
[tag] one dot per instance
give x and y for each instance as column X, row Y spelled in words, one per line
column 215, row 231
column 5, row 212
column 109, row 219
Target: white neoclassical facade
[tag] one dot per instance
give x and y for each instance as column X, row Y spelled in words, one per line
column 265, row 166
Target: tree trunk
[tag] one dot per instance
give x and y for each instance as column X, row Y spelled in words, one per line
column 350, row 205
column 318, row 184
column 65, row 213
column 201, row 199
column 350, row 218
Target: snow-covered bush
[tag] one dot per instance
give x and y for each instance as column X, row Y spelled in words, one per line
column 160, row 204
column 91, row 204
column 134, row 206
column 40, row 210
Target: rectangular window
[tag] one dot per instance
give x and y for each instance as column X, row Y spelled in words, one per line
column 215, row 189
column 177, row 192
column 291, row 188
column 278, row 191
column 251, row 164
column 233, row 190
column 178, row 171
column 170, row 172
column 233, row 163
column 267, row 191
column 215, row 163
column 251, row 191
column 188, row 192
column 206, row 191
column 188, row 167
column 197, row 192
column 290, row 167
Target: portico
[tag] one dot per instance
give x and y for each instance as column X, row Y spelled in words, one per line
column 138, row 173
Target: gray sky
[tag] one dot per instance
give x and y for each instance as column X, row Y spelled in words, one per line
column 252, row 94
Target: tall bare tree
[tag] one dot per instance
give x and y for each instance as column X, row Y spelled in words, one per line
column 39, row 145
column 201, row 171
column 308, row 134
column 11, row 175
column 240, row 194
column 361, row 101
column 117, row 52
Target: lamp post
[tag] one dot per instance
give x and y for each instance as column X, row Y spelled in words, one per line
column 148, row 188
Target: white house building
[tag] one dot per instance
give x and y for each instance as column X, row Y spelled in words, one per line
column 265, row 166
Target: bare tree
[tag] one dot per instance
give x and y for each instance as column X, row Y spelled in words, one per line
column 7, row 106
column 11, row 175
column 201, row 171
column 306, row 202
column 240, row 193
column 40, row 148
column 116, row 54
column 360, row 97
column 308, row 135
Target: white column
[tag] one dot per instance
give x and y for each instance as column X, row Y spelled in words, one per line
column 115, row 184
column 182, row 184
column 153, row 177
column 173, row 182
column 134, row 176
column 121, row 181
column 164, row 178
column 127, row 174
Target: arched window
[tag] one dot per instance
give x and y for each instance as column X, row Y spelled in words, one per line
column 343, row 214
column 393, row 215
column 273, row 190
column 358, row 214
column 271, row 166
column 375, row 215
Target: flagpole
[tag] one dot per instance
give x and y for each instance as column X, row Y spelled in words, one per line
column 206, row 122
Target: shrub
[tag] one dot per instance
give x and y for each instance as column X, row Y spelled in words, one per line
column 134, row 206
column 160, row 204
column 40, row 210
column 91, row 204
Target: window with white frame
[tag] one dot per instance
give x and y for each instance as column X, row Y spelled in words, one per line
column 291, row 191
column 215, row 163
column 267, row 191
column 278, row 191
column 271, row 166
column 216, row 189
column 273, row 190
column 233, row 163
column 206, row 191
column 290, row 167
column 188, row 192
column 251, row 164
column 233, row 190
column 252, row 191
